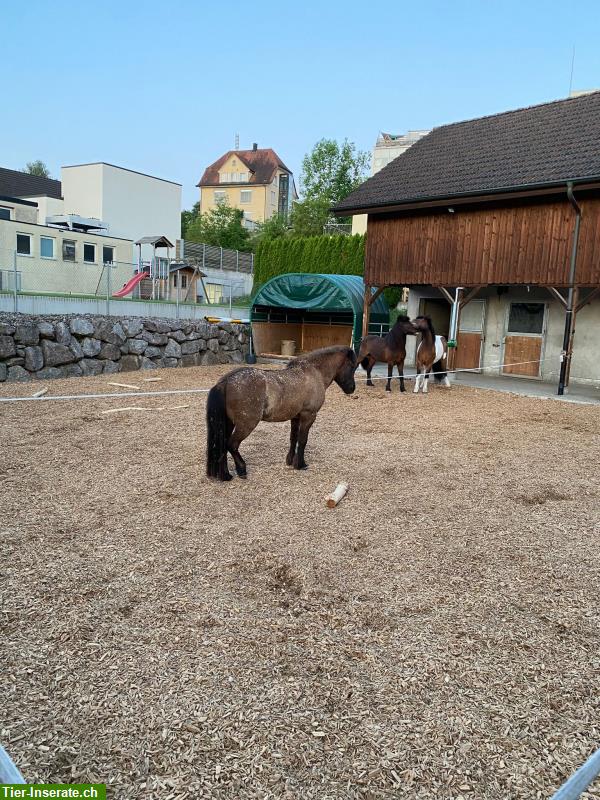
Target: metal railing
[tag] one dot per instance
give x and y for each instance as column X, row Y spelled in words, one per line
column 33, row 284
column 211, row 257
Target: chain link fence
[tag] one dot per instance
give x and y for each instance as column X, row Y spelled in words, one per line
column 206, row 256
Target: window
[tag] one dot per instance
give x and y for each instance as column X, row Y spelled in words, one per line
column 108, row 254
column 89, row 253
column 4, row 212
column 235, row 176
column 526, row 318
column 23, row 244
column 220, row 197
column 224, row 177
column 243, row 177
column 68, row 250
column 246, row 196
column 214, row 292
column 46, row 247
column 184, row 281
column 248, row 215
column 181, row 280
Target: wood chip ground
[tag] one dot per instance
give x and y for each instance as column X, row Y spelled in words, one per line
column 437, row 635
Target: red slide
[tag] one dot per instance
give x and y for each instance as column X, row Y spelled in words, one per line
column 131, row 284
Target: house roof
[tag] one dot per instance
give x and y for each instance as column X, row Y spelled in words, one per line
column 529, row 148
column 157, row 241
column 14, row 183
column 262, row 164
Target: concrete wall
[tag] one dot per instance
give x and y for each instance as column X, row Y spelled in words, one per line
column 585, row 365
column 60, row 347
column 131, row 204
column 39, row 274
column 20, row 212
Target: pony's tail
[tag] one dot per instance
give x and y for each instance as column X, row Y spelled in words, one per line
column 219, row 428
column 439, row 373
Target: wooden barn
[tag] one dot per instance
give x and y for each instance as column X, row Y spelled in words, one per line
column 313, row 311
column 494, row 225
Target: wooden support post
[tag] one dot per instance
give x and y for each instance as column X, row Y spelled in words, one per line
column 470, row 296
column 557, row 295
column 446, row 294
column 376, row 294
column 366, row 310
column 588, row 299
column 569, row 354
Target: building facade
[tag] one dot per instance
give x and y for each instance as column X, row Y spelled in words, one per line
column 255, row 181
column 494, row 223
column 387, row 147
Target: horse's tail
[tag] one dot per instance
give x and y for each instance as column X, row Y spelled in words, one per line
column 219, row 428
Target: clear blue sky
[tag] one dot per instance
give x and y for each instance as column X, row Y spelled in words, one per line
column 163, row 87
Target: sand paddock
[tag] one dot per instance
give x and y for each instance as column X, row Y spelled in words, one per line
column 435, row 636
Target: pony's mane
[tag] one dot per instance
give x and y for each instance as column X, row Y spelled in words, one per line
column 429, row 323
column 323, row 352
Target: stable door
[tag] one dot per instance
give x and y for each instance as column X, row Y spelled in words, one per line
column 524, row 339
column 469, row 341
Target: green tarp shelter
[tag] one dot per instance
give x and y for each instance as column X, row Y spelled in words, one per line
column 318, row 310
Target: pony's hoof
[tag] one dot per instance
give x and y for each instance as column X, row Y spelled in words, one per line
column 227, row 477
column 402, row 389
column 388, row 388
column 303, row 465
column 370, row 383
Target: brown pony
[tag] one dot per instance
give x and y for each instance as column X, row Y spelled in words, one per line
column 432, row 354
column 245, row 396
column 391, row 349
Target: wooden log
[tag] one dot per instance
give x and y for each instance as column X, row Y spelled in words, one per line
column 340, row 491
column 123, row 385
column 151, row 380
column 41, row 393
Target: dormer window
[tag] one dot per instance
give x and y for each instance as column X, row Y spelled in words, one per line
column 224, row 177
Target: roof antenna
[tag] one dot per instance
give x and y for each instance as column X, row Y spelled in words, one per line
column 572, row 65
column 237, row 141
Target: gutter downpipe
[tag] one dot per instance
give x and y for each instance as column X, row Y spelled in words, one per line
column 565, row 364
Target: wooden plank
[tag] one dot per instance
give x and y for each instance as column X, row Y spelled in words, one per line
column 524, row 353
column 587, row 299
column 516, row 244
column 468, row 350
column 557, row 295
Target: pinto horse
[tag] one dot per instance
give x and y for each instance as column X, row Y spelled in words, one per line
column 245, row 396
column 390, row 349
column 432, row 353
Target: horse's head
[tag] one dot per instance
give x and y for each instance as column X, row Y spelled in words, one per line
column 422, row 324
column 344, row 377
column 404, row 325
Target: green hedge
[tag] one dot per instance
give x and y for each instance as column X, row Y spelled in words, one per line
column 344, row 255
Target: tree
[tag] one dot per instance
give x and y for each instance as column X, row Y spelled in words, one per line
column 332, row 170
column 37, row 168
column 187, row 217
column 308, row 216
column 273, row 228
column 222, row 227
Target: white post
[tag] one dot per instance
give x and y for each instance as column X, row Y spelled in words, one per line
column 16, row 298
column 108, row 290
column 221, row 259
column 237, row 260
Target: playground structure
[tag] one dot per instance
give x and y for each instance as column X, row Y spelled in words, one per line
column 156, row 285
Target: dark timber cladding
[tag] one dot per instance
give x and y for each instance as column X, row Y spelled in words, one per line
column 515, row 244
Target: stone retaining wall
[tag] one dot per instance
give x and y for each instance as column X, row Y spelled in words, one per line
column 60, row 347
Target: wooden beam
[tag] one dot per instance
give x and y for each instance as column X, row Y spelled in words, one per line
column 470, row 296
column 569, row 355
column 588, row 299
column 555, row 293
column 366, row 310
column 376, row 294
column 446, row 294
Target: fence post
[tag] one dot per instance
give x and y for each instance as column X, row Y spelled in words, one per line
column 221, row 258
column 203, row 257
column 177, row 280
column 108, row 290
column 237, row 260
column 15, row 281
